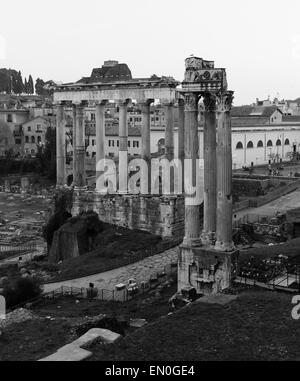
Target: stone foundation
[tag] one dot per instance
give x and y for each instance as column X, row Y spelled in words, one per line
column 161, row 215
column 207, row 270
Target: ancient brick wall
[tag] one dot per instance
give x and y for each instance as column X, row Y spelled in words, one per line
column 161, row 215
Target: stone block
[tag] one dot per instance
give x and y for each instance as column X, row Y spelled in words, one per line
column 208, row 270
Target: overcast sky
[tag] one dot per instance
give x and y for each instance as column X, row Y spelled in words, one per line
column 257, row 41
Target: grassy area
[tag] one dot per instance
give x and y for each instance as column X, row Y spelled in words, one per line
column 117, row 247
column 136, row 308
column 256, row 326
column 33, row 339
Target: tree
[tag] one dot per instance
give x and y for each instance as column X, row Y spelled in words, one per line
column 26, row 86
column 18, row 84
column 30, row 85
column 47, row 153
column 39, row 86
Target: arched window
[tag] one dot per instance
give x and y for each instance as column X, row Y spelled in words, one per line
column 269, row 144
column 278, row 142
column 161, row 145
column 287, row 142
column 250, row 144
column 32, row 139
column 260, row 144
column 239, row 145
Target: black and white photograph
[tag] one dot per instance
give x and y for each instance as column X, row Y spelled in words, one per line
column 149, row 184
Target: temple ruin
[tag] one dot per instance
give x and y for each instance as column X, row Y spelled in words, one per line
column 207, row 258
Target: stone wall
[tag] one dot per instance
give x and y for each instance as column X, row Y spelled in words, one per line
column 161, row 215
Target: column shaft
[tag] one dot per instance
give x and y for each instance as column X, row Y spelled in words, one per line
column 80, row 148
column 210, row 170
column 60, row 147
column 181, row 137
column 191, row 147
column 100, row 140
column 123, row 148
column 224, row 173
column 74, row 142
column 146, row 149
column 169, row 132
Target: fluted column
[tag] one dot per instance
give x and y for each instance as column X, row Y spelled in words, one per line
column 100, row 148
column 191, row 147
column 123, row 147
column 60, row 147
column 145, row 149
column 210, row 169
column 74, row 140
column 224, row 173
column 79, row 178
column 169, row 132
column 181, row 136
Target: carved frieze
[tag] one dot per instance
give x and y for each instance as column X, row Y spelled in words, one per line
column 201, row 75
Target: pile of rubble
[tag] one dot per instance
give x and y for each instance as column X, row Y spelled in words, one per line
column 98, row 321
column 17, row 316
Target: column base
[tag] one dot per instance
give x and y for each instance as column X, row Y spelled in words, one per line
column 224, row 246
column 207, row 270
column 192, row 242
column 208, row 238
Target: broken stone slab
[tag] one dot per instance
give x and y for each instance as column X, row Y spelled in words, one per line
column 105, row 335
column 74, row 350
column 137, row 323
column 69, row 353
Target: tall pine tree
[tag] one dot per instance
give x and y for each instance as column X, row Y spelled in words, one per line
column 26, row 86
column 30, row 85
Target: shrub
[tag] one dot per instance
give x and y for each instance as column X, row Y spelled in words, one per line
column 21, row 290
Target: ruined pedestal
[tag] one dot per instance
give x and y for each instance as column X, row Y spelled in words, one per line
column 207, row 270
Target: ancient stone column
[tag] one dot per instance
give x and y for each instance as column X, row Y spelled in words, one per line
column 191, row 148
column 210, row 169
column 224, row 173
column 169, row 132
column 79, row 176
column 123, row 147
column 146, row 149
column 181, row 136
column 74, row 140
column 60, row 147
column 100, row 140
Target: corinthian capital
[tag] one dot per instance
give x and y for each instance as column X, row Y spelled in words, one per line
column 191, row 101
column 224, row 101
column 209, row 101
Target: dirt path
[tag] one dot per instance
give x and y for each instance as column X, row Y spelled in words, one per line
column 139, row 271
